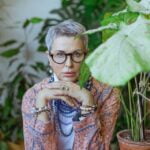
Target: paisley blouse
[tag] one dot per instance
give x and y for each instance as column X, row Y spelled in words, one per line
column 94, row 132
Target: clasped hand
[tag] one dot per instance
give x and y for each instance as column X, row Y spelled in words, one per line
column 69, row 92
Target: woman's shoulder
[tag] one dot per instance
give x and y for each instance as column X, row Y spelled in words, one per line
column 40, row 84
column 104, row 89
column 99, row 85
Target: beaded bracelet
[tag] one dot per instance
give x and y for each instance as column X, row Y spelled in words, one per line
column 36, row 111
column 88, row 108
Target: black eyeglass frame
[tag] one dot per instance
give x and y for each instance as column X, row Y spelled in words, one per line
column 66, row 55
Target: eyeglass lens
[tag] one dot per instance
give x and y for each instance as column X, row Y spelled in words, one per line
column 61, row 57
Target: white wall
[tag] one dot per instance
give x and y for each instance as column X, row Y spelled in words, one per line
column 14, row 12
column 12, row 15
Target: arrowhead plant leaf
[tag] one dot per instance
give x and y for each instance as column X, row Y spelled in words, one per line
column 123, row 55
column 142, row 7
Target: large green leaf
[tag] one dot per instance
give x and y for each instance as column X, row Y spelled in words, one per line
column 142, row 7
column 123, row 55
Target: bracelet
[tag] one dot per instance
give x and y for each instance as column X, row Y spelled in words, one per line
column 37, row 111
column 88, row 108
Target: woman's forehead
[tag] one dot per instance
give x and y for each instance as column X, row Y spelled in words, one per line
column 68, row 44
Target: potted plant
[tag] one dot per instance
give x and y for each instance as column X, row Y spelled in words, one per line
column 124, row 58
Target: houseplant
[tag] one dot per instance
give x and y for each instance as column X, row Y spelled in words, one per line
column 20, row 69
column 125, row 58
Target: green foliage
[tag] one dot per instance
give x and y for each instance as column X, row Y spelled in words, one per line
column 10, row 52
column 84, row 74
column 17, row 82
column 3, row 145
column 13, row 51
column 126, row 17
column 7, row 43
column 131, row 99
column 142, row 7
column 34, row 20
column 11, row 121
column 123, row 55
column 126, row 53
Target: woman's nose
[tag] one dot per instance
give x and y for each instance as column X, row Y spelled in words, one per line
column 68, row 62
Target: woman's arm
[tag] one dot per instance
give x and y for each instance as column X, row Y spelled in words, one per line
column 37, row 134
column 108, row 115
column 95, row 131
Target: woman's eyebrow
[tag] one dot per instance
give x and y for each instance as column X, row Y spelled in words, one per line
column 79, row 50
column 57, row 51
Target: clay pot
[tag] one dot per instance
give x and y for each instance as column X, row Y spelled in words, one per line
column 125, row 143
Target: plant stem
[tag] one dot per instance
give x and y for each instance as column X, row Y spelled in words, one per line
column 146, row 98
column 140, row 112
column 130, row 108
column 126, row 110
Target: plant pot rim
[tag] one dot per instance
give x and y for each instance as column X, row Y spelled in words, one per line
column 120, row 133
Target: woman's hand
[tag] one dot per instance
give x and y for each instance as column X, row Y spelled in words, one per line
column 82, row 95
column 67, row 91
column 49, row 92
column 52, row 91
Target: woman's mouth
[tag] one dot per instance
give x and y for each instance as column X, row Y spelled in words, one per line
column 69, row 74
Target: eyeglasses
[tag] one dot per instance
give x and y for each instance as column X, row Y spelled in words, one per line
column 60, row 57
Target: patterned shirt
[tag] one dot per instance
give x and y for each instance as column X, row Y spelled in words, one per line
column 93, row 132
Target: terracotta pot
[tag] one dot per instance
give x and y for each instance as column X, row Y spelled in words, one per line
column 126, row 144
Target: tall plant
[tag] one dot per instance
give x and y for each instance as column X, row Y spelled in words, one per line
column 123, row 56
column 25, row 67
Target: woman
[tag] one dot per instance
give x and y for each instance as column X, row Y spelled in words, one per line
column 57, row 113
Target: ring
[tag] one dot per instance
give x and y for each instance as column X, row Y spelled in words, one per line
column 65, row 88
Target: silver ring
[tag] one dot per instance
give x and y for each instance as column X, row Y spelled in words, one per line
column 65, row 88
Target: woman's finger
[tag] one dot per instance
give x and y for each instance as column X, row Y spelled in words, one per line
column 56, row 86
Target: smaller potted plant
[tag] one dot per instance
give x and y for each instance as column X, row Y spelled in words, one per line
column 125, row 58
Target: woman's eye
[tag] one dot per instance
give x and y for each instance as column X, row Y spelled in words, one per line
column 60, row 54
column 77, row 54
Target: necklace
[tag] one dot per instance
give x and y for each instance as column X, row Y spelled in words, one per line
column 64, row 115
column 65, row 112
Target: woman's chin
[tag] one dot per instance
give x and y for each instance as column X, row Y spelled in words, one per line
column 69, row 79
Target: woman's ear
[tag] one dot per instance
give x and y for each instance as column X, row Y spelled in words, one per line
column 47, row 53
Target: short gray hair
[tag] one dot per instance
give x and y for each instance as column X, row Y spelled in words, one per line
column 65, row 28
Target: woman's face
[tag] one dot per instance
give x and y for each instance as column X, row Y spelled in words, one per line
column 68, row 70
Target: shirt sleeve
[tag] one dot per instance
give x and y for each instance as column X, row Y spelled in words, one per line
column 96, row 130
column 108, row 115
column 37, row 134
column 87, row 131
